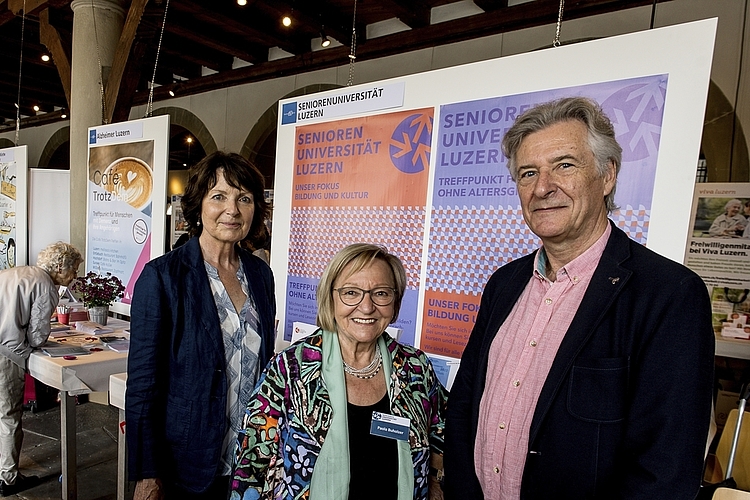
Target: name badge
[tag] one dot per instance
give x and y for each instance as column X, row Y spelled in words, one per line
column 389, row 426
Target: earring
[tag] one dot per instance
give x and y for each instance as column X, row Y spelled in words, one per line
column 198, row 223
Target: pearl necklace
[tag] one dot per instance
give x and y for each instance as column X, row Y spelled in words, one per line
column 368, row 371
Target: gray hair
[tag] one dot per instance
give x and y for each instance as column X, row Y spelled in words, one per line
column 735, row 201
column 601, row 134
column 59, row 257
column 360, row 255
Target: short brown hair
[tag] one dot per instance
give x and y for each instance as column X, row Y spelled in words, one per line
column 360, row 255
column 239, row 173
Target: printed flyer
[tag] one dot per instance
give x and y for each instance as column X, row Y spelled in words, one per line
column 358, row 180
column 8, row 201
column 718, row 249
column 121, row 184
column 476, row 223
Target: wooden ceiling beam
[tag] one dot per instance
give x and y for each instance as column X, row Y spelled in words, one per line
column 193, row 53
column 122, row 56
column 313, row 15
column 413, row 13
column 6, row 15
column 491, row 5
column 247, row 52
column 32, row 6
column 505, row 20
column 50, row 38
column 128, row 84
column 249, row 27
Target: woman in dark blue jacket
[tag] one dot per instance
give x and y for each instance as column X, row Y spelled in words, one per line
column 202, row 330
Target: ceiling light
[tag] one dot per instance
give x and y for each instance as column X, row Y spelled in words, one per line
column 324, row 41
column 36, row 108
column 189, row 140
column 241, row 3
column 286, row 21
column 63, row 116
column 171, row 92
column 45, row 58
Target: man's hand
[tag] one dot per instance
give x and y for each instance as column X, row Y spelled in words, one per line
column 148, row 489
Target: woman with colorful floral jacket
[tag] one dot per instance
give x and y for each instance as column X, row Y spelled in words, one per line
column 347, row 413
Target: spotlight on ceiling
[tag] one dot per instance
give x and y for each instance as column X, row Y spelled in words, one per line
column 324, row 41
column 36, row 108
column 286, row 21
column 171, row 92
column 241, row 3
column 45, row 57
column 63, row 116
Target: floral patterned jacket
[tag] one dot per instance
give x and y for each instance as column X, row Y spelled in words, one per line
column 290, row 413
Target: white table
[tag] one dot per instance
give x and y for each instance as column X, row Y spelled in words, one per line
column 732, row 348
column 89, row 373
column 117, row 385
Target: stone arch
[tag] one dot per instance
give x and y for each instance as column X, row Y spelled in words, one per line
column 265, row 127
column 191, row 123
column 723, row 143
column 60, row 137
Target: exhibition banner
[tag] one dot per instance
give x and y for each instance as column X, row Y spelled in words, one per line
column 476, row 220
column 467, row 222
column 357, row 180
column 127, row 168
column 718, row 250
column 13, row 203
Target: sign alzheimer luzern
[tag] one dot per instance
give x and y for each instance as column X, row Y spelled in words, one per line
column 116, row 133
column 126, row 184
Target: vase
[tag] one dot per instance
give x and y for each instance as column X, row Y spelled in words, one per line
column 98, row 314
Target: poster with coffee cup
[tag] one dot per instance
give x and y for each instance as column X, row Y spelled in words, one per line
column 126, row 199
column 121, row 187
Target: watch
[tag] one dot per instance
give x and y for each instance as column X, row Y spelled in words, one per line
column 439, row 475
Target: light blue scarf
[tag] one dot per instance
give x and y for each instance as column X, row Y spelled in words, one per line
column 330, row 479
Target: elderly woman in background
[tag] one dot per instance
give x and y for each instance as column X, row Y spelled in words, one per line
column 202, row 328
column 29, row 297
column 731, row 223
column 308, row 425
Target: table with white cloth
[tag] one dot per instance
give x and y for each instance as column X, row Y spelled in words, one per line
column 83, row 375
column 732, row 348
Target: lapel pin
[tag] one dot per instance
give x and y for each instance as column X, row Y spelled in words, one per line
column 613, row 280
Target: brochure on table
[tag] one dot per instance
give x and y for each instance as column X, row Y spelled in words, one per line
column 126, row 215
column 13, row 207
column 718, row 250
column 414, row 164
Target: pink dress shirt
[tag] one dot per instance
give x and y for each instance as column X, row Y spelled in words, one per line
column 519, row 360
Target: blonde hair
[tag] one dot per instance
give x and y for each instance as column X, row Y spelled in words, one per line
column 59, row 257
column 360, row 255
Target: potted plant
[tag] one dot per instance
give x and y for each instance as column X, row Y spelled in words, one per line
column 97, row 292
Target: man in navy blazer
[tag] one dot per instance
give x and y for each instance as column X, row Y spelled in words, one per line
column 176, row 421
column 589, row 372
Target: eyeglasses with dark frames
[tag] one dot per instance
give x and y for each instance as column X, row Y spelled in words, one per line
column 352, row 296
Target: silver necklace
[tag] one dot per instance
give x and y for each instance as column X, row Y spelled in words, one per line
column 368, row 371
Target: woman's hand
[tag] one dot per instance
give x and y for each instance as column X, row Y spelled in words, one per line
column 433, row 485
column 434, row 488
column 150, row 489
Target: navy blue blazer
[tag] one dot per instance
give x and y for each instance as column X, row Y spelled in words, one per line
column 175, row 403
column 625, row 410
